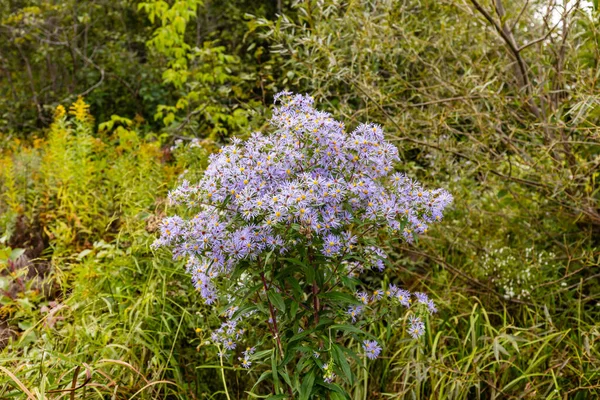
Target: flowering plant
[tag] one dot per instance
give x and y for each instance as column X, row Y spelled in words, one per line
column 283, row 226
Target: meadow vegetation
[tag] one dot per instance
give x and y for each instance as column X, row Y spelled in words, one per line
column 106, row 106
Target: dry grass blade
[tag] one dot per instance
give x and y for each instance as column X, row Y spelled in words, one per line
column 12, row 376
column 123, row 363
column 152, row 384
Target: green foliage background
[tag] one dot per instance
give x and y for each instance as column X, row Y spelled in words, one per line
column 496, row 101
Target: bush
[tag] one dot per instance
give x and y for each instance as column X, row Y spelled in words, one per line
column 283, row 228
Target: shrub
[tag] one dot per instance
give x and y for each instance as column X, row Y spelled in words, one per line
column 280, row 233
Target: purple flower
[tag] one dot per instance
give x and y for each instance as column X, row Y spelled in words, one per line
column 331, row 245
column 363, row 297
column 421, row 297
column 329, row 375
column 416, row 327
column 404, row 297
column 354, row 312
column 249, row 351
column 309, row 172
column 392, row 290
column 377, row 295
column 372, row 349
column 246, row 363
column 431, row 306
column 230, row 311
column 229, row 344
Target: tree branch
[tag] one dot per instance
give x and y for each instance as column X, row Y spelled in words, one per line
column 504, row 32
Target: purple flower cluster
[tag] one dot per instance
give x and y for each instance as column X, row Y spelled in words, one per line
column 310, row 173
column 328, row 375
column 422, row 298
column 230, row 332
column 402, row 295
column 245, row 360
column 416, row 328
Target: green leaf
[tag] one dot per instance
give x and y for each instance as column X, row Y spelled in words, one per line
column 352, row 354
column 285, row 273
column 290, row 352
column 243, row 310
column 307, row 385
column 285, row 376
column 295, row 261
column 293, row 309
column 259, row 355
column 352, row 329
column 340, row 359
column 337, row 391
column 296, row 289
column 264, row 376
column 300, row 335
column 274, row 371
column 308, row 270
column 350, row 283
column 338, row 396
column 324, row 322
column 277, row 300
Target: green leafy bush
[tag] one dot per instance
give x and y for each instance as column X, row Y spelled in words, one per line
column 93, row 304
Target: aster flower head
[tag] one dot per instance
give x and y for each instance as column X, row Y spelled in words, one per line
column 245, row 362
column 416, row 327
column 377, row 295
column 363, row 297
column 431, row 307
column 229, row 344
column 391, row 290
column 354, row 312
column 403, row 297
column 331, row 245
column 371, row 349
column 421, row 297
column 249, row 351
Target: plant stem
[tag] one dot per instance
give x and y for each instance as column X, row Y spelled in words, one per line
column 315, row 289
column 275, row 329
column 223, row 374
column 316, row 304
column 366, row 378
